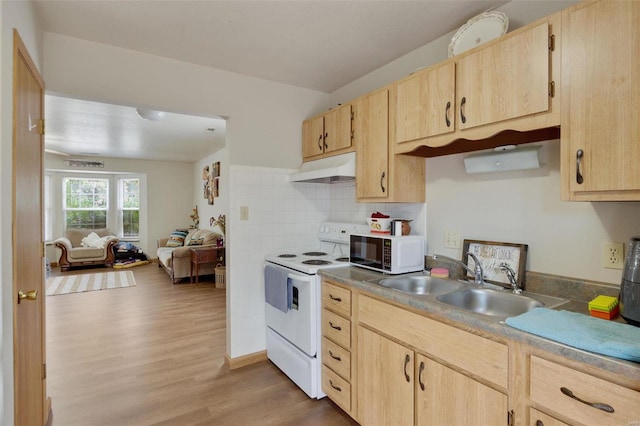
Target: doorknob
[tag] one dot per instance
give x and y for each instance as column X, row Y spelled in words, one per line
column 30, row 295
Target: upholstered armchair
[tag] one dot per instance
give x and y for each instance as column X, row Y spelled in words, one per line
column 82, row 247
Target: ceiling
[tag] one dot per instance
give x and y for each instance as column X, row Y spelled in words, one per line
column 319, row 45
column 85, row 128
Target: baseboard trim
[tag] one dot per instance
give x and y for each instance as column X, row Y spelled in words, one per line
column 243, row 361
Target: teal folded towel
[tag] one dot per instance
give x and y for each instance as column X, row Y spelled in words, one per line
column 581, row 331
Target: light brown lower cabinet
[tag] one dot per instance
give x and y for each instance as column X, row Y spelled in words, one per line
column 385, row 380
column 538, row 418
column 447, row 397
column 397, row 386
column 580, row 397
column 386, row 364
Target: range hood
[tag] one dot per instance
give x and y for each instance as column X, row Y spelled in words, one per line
column 339, row 168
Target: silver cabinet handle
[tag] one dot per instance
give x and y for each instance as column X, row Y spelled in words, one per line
column 598, row 405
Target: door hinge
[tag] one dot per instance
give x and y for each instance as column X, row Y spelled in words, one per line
column 552, row 42
column 552, row 89
column 510, row 416
column 41, row 122
column 43, row 249
column 44, row 371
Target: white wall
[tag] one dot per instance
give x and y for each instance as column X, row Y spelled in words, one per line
column 19, row 15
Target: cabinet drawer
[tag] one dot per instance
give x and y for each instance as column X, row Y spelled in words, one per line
column 336, row 358
column 337, row 299
column 336, row 328
column 479, row 356
column 547, row 379
column 336, row 388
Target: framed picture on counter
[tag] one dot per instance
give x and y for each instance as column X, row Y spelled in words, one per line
column 492, row 254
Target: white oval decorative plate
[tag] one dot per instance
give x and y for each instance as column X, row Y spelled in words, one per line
column 478, row 30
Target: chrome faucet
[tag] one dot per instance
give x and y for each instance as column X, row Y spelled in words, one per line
column 478, row 273
column 511, row 274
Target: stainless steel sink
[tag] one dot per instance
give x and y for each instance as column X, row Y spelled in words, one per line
column 497, row 303
column 420, row 284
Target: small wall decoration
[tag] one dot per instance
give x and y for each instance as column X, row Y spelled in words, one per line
column 492, row 254
column 206, row 176
column 216, row 187
column 216, row 169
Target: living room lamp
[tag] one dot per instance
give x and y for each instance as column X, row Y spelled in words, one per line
column 150, row 114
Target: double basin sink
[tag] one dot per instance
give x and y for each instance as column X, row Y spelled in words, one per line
column 499, row 304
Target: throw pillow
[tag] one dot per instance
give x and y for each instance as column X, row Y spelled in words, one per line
column 99, row 243
column 90, row 240
column 176, row 239
column 196, row 241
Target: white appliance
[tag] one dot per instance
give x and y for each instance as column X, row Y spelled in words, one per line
column 387, row 253
column 293, row 303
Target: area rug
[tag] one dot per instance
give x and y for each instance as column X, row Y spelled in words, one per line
column 89, row 282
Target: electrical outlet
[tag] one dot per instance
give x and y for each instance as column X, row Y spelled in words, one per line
column 244, row 212
column 451, row 239
column 613, row 255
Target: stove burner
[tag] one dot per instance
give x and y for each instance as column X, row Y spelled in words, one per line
column 314, row 253
column 342, row 259
column 316, row 262
column 287, row 255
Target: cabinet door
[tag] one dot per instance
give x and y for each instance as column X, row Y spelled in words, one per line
column 337, row 129
column 507, row 80
column 371, row 132
column 538, row 418
column 385, row 381
column 425, row 104
column 312, row 137
column 446, row 397
column 600, row 49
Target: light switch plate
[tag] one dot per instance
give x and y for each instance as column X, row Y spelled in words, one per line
column 244, row 212
column 451, row 239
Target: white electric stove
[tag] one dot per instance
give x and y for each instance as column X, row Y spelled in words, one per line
column 293, row 299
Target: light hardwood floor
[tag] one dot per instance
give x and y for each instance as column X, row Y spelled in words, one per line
column 153, row 354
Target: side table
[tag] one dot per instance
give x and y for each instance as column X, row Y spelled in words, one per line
column 203, row 255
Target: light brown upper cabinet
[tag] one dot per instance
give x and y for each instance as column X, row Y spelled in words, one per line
column 382, row 176
column 506, row 80
column 327, row 134
column 371, row 134
column 601, row 99
column 505, row 85
column 424, row 104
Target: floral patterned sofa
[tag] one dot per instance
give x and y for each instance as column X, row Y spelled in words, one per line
column 174, row 252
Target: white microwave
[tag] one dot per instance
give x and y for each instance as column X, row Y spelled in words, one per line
column 387, row 253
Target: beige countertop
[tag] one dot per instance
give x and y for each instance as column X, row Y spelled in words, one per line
column 361, row 279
